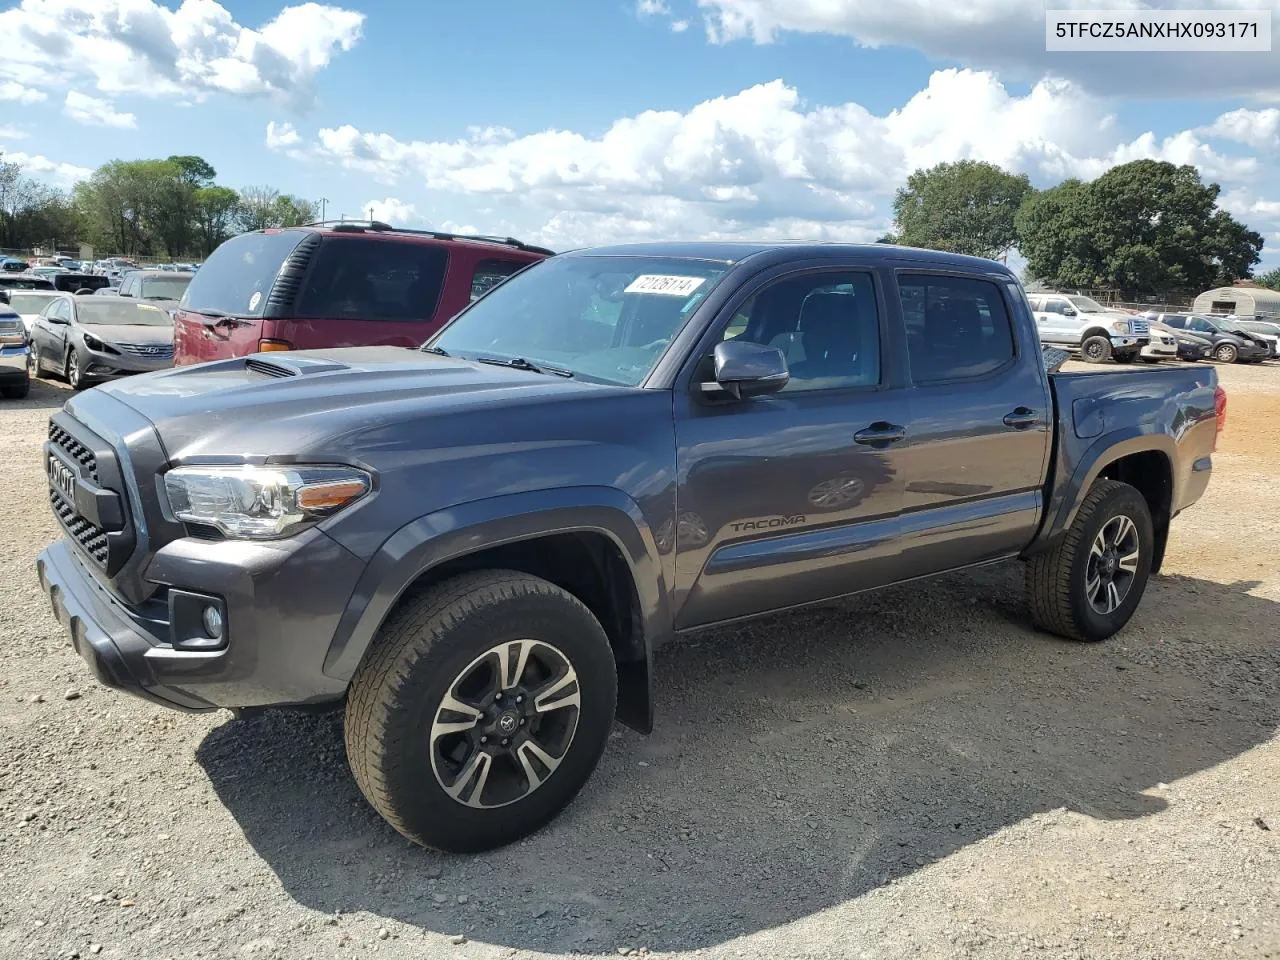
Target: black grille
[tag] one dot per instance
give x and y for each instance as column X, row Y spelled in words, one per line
column 77, row 450
column 92, row 538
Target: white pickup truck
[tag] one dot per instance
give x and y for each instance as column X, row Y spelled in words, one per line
column 1075, row 322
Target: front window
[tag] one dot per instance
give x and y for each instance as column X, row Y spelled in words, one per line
column 164, row 288
column 120, row 313
column 605, row 319
column 1087, row 305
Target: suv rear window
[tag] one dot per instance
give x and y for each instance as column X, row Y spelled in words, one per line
column 237, row 277
column 355, row 278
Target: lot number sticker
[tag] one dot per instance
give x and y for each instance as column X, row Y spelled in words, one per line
column 669, row 286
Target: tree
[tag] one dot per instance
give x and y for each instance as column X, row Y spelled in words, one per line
column 263, row 207
column 196, row 171
column 1142, row 228
column 291, row 211
column 965, row 207
column 215, row 214
column 1270, row 279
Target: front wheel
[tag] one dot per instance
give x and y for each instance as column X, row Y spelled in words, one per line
column 481, row 710
column 1096, row 350
column 1225, row 353
column 33, row 361
column 1088, row 586
column 75, row 370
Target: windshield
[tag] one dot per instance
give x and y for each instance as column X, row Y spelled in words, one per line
column 606, row 319
column 1217, row 323
column 30, row 302
column 1087, row 305
column 164, row 288
column 120, row 313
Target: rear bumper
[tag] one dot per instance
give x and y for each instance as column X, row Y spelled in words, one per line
column 13, row 363
column 278, row 625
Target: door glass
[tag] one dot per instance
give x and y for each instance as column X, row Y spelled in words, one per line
column 826, row 325
column 957, row 327
column 490, row 273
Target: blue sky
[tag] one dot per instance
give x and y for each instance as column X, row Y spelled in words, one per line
column 583, row 121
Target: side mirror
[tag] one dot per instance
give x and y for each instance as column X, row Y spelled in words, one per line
column 744, row 370
column 4, row 296
column 1069, row 312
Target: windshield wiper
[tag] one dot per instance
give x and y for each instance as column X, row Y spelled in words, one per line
column 520, row 363
column 438, row 351
column 210, row 312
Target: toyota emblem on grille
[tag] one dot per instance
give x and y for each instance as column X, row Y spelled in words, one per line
column 62, row 478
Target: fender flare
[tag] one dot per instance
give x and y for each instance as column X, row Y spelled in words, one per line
column 467, row 528
column 1100, row 454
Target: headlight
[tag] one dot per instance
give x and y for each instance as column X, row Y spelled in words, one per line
column 262, row 503
column 93, row 343
column 1120, row 326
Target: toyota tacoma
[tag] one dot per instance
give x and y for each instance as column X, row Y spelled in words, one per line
column 478, row 546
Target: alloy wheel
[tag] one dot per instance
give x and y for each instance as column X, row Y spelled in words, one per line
column 505, row 724
column 1113, row 565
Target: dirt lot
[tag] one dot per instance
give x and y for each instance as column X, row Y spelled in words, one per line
column 917, row 774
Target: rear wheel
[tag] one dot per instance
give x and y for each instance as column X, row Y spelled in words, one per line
column 1226, row 353
column 1096, row 349
column 1088, row 586
column 481, row 710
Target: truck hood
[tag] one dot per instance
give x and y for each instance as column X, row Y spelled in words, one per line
column 292, row 403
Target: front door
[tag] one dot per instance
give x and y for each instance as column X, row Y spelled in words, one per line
column 980, row 422
column 793, row 498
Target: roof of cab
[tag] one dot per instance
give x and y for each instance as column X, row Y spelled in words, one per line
column 732, row 252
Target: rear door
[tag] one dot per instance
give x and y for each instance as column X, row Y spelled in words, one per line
column 979, row 426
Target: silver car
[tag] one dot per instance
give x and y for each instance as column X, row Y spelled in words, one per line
column 87, row 339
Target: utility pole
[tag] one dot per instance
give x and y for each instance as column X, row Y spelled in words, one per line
column 324, row 202
column 371, row 213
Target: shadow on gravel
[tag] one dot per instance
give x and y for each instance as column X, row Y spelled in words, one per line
column 799, row 762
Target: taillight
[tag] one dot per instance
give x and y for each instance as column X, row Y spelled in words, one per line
column 267, row 345
column 1220, row 412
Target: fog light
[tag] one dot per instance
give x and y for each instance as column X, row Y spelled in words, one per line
column 211, row 618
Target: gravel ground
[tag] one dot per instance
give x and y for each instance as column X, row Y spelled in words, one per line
column 914, row 774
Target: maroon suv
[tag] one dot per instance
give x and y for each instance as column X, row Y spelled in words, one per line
column 341, row 285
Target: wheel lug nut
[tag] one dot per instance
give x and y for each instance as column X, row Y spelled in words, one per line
column 520, row 699
column 498, row 697
column 522, row 721
column 505, row 742
column 484, row 739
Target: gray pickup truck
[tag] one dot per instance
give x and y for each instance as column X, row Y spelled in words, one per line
column 478, row 546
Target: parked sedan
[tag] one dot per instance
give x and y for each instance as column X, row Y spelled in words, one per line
column 1190, row 346
column 87, row 339
column 1229, row 345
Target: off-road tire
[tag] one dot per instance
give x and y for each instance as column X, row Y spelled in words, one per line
column 1056, row 578
column 1095, row 349
column 400, row 684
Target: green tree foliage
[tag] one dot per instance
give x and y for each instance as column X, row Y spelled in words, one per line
column 1142, row 228
column 144, row 208
column 1270, row 279
column 965, row 207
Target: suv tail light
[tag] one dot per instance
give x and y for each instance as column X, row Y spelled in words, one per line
column 268, row 345
column 1220, row 412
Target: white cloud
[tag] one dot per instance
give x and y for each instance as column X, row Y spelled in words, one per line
column 11, row 90
column 679, row 26
column 762, row 163
column 281, row 136
column 1006, row 35
column 42, row 168
column 1255, row 128
column 96, row 113
column 652, row 8
column 13, row 133
column 392, row 211
column 143, row 47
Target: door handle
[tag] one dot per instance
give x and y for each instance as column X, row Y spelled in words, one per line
column 1022, row 417
column 880, row 434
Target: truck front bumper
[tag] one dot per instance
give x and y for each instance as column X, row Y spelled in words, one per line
column 277, row 624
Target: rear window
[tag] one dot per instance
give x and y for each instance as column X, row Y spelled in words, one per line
column 30, row 302
column 237, row 277
column 164, row 288
column 354, row 278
